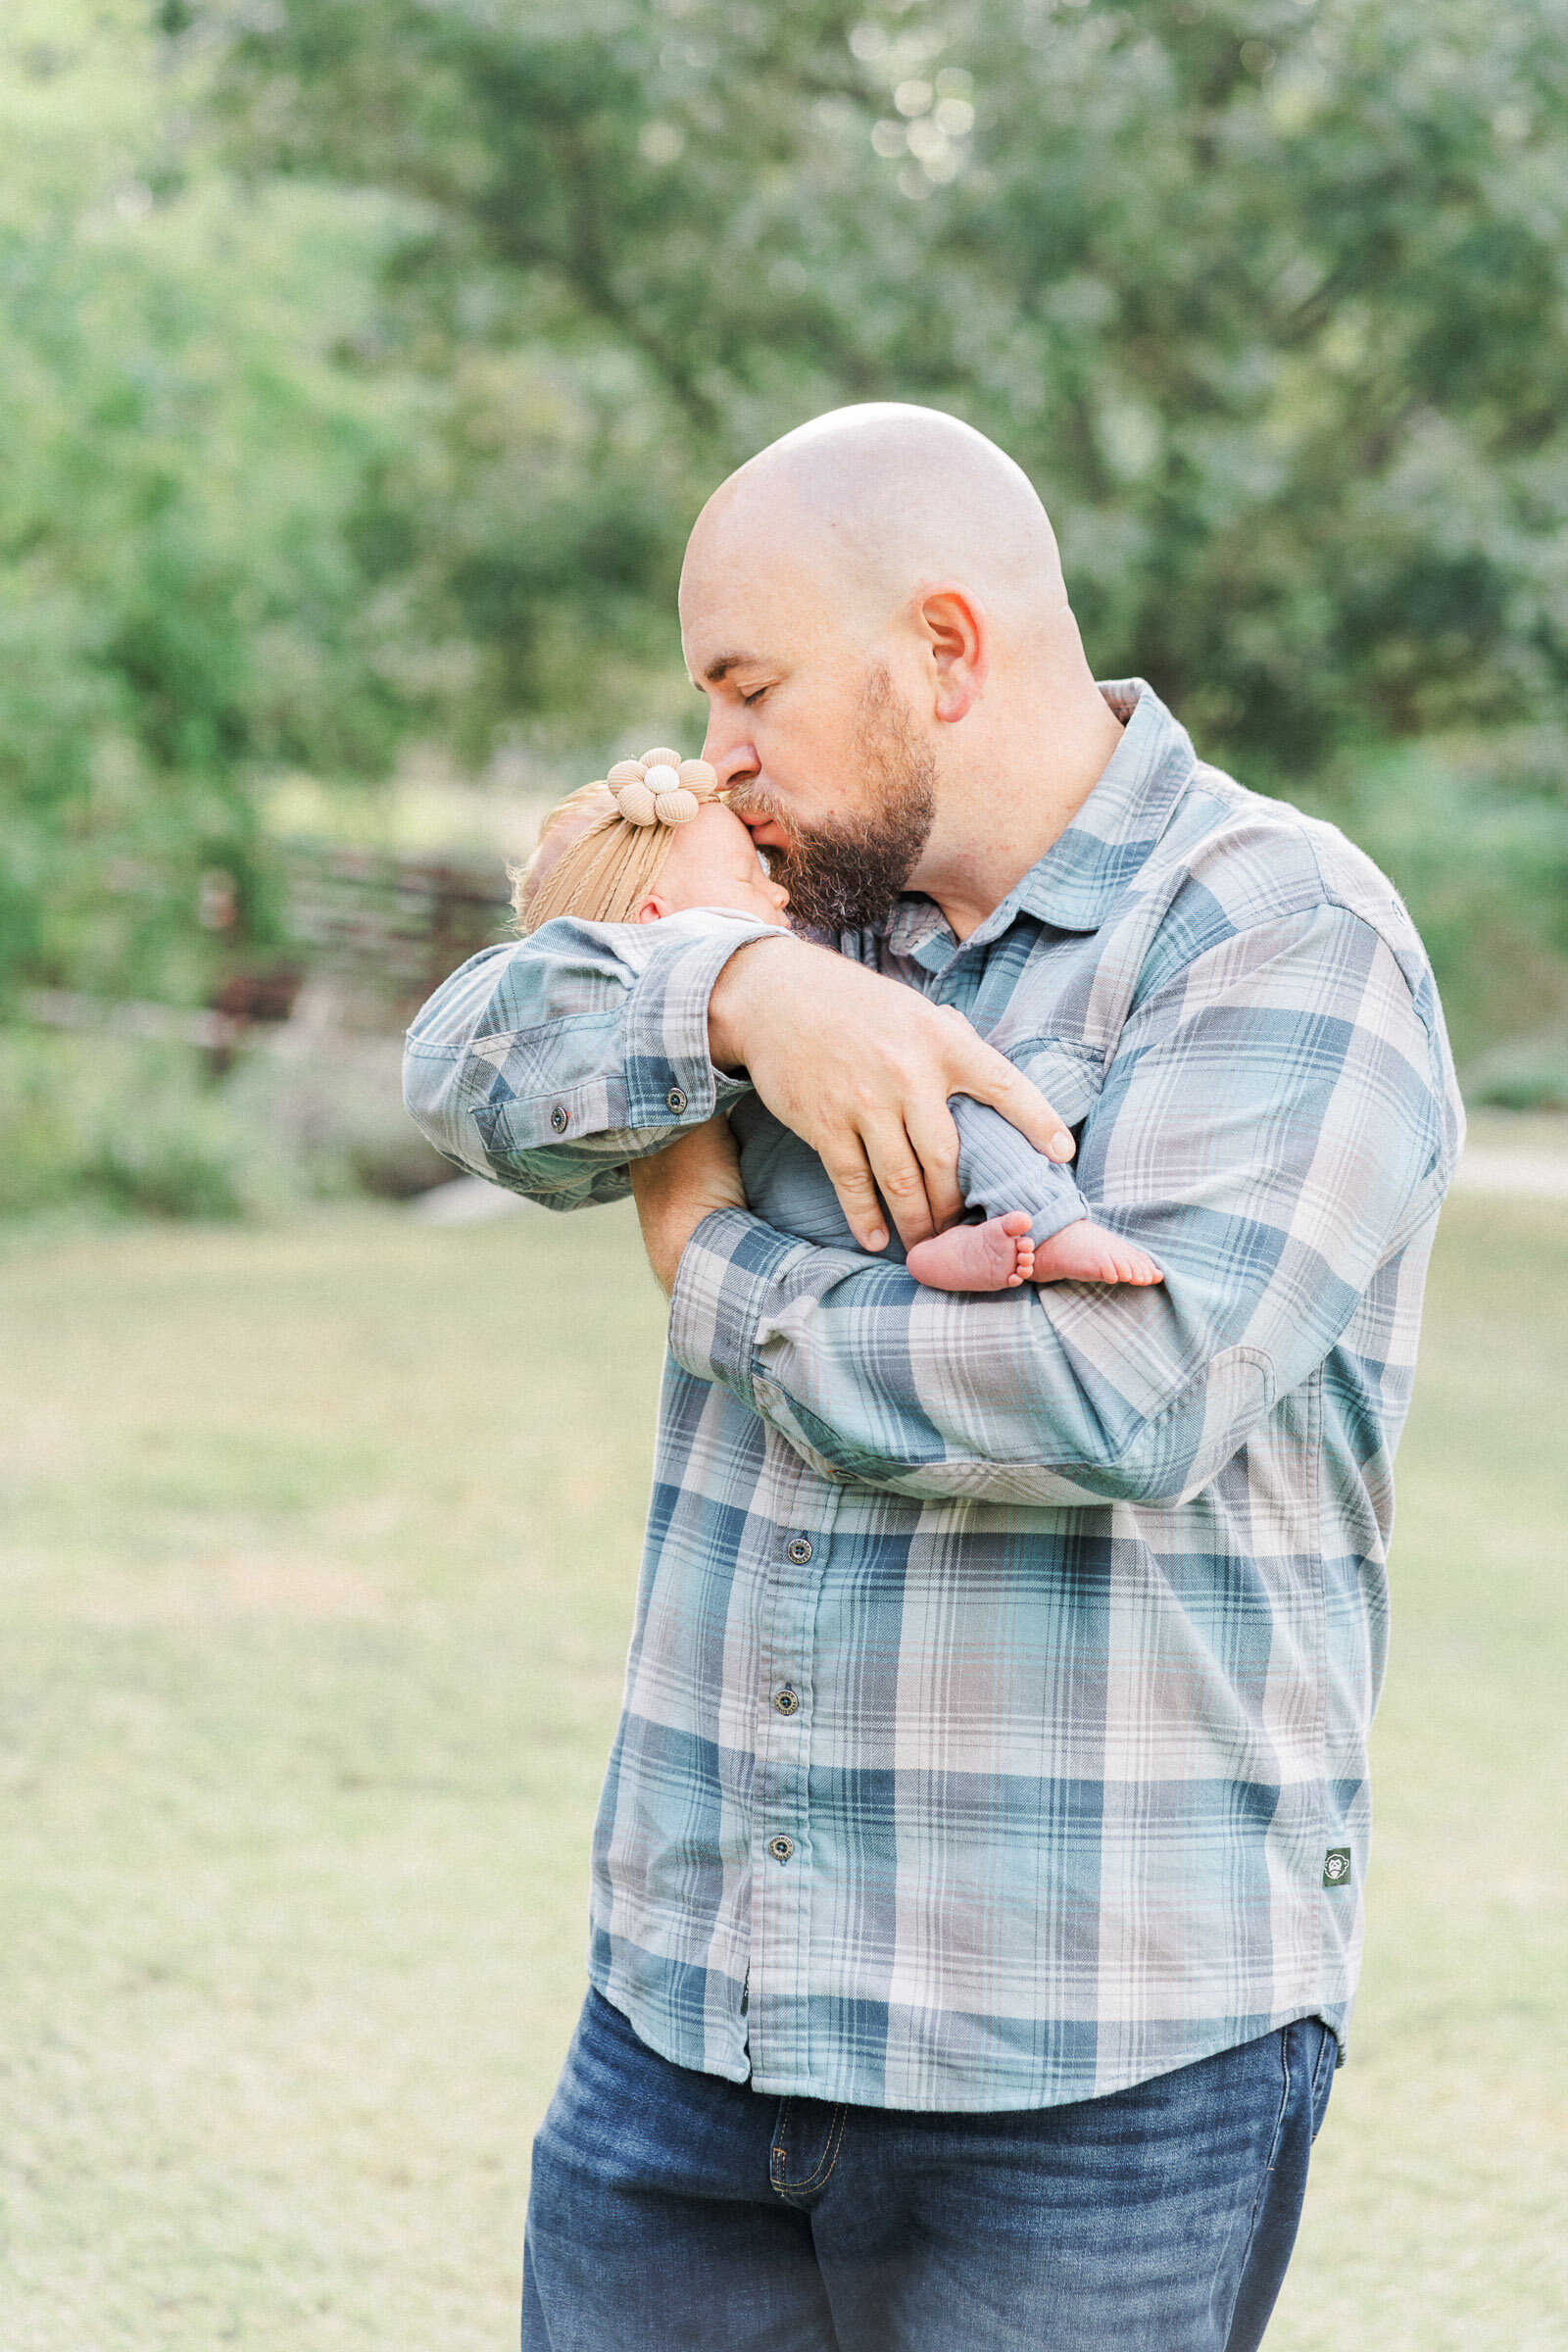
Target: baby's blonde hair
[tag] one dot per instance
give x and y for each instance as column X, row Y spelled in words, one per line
column 606, row 872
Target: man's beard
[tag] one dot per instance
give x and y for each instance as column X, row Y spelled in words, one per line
column 845, row 873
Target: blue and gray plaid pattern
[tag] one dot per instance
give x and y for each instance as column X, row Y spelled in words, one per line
column 788, row 1186
column 1002, row 1666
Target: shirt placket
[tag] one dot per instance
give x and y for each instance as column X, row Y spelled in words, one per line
column 802, row 1509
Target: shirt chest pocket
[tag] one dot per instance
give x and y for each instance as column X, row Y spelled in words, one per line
column 1068, row 1075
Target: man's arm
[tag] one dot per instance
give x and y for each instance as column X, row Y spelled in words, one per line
column 550, row 1065
column 700, row 1174
column 1271, row 1130
column 861, row 1068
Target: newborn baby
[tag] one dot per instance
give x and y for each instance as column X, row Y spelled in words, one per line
column 656, row 840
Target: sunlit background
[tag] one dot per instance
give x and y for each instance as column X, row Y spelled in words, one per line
column 362, row 363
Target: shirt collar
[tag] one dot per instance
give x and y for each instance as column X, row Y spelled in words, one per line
column 1109, row 840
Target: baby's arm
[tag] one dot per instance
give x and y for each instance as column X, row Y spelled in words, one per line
column 1034, row 1223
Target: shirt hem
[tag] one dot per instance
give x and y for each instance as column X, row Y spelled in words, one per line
column 841, row 2089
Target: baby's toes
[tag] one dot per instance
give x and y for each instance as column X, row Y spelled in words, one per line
column 1134, row 1266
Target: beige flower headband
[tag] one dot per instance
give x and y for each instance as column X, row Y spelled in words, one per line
column 662, row 788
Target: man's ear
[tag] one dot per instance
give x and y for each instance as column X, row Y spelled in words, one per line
column 955, row 627
column 652, row 910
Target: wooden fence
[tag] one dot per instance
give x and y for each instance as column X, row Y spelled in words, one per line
column 390, row 929
column 369, row 937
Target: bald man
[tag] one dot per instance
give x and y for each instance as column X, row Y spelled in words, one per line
column 977, row 1885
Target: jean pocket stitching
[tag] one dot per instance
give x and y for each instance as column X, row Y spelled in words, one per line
column 829, row 2156
column 823, row 2165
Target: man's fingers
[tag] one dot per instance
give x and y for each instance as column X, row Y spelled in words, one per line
column 852, row 1181
column 935, row 1142
column 899, row 1178
column 979, row 1070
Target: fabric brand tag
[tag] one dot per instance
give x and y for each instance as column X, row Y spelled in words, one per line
column 1337, row 1866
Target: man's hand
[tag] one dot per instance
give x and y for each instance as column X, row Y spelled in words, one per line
column 679, row 1187
column 861, row 1067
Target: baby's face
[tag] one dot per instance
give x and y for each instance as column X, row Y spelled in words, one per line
column 713, row 863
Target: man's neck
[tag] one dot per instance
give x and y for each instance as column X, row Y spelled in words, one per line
column 994, row 826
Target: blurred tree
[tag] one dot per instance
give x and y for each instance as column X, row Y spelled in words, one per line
column 390, row 411
column 1268, row 296
column 188, row 477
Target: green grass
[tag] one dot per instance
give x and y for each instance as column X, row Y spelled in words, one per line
column 1438, row 2215
column 320, row 1548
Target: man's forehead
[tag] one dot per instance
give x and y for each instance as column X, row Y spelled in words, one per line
column 771, row 643
column 722, row 636
column 750, row 595
column 728, row 620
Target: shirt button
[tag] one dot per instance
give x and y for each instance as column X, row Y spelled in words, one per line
column 781, row 1849
column 799, row 1549
column 676, row 1101
column 787, row 1702
column 558, row 1118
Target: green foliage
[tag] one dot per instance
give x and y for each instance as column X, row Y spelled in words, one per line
column 186, row 467
column 362, row 363
column 1265, row 296
column 1475, row 834
column 126, row 1128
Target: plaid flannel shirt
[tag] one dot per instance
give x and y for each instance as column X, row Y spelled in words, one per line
column 995, row 1717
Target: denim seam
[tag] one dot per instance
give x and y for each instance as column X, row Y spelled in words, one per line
column 1323, row 2069
column 778, row 2153
column 1268, row 2171
column 786, row 2188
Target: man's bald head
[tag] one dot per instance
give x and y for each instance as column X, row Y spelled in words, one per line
column 898, row 695
column 880, row 500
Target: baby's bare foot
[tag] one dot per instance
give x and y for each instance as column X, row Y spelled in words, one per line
column 995, row 1257
column 1085, row 1253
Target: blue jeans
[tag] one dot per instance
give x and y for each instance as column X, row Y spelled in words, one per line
column 675, row 2212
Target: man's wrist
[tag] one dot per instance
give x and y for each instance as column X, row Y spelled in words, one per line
column 664, row 1238
column 660, row 1210
column 677, row 1188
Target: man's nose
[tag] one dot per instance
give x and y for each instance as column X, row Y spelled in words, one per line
column 728, row 748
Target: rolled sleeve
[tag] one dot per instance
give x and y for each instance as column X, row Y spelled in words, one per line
column 548, row 1066
column 670, row 1073
column 739, row 1282
column 730, row 1274
column 1272, row 1131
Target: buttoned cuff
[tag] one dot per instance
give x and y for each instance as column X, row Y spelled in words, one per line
column 668, row 1070
column 730, row 1276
